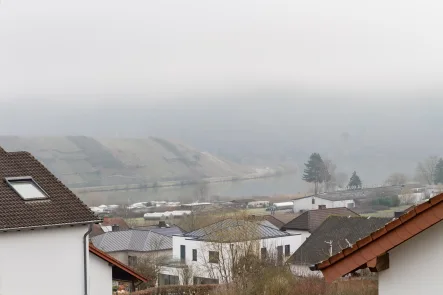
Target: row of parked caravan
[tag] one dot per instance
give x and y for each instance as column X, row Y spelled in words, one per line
column 166, row 215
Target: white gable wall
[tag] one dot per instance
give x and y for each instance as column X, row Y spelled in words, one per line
column 415, row 267
column 202, row 267
column 304, row 234
column 305, row 204
column 100, row 276
column 49, row 261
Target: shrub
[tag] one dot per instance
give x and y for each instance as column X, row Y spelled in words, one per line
column 182, row 290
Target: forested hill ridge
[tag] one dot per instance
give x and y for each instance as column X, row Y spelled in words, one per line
column 80, row 161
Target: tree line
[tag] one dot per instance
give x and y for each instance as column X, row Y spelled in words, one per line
column 319, row 171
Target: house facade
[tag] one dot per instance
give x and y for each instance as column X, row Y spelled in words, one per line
column 135, row 245
column 206, row 256
column 44, row 230
column 319, row 202
column 406, row 253
column 104, row 270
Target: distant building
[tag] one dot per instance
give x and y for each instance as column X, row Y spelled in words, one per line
column 131, row 246
column 320, row 202
column 109, row 224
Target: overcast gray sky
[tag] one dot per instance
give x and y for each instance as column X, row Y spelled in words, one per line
column 63, row 49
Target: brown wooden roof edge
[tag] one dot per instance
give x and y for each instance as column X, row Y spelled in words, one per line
column 414, row 221
column 111, row 260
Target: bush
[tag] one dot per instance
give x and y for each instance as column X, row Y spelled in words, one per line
column 392, row 201
column 182, row 290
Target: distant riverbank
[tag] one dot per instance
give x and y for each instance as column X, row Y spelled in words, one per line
column 268, row 186
column 262, row 173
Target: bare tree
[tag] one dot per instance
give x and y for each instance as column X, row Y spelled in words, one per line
column 396, row 178
column 330, row 178
column 341, row 179
column 426, row 170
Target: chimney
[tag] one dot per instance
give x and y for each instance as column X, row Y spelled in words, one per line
column 162, row 223
column 115, row 227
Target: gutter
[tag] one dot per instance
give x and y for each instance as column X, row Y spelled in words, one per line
column 49, row 225
column 85, row 258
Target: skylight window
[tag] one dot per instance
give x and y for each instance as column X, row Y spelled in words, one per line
column 27, row 188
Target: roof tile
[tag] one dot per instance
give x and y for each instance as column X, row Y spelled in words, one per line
column 62, row 206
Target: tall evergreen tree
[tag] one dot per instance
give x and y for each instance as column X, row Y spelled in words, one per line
column 315, row 171
column 438, row 173
column 354, row 182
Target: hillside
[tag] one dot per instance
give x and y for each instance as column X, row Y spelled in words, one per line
column 89, row 162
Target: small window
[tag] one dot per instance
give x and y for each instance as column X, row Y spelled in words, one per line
column 27, row 188
column 182, row 252
column 214, row 257
column 287, row 250
column 264, row 253
column 194, row 254
column 321, row 207
column 132, row 261
column 313, row 201
column 280, row 255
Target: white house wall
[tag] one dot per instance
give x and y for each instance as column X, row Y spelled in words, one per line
column 305, row 204
column 100, row 276
column 42, row 261
column 202, row 267
column 415, row 267
column 304, row 234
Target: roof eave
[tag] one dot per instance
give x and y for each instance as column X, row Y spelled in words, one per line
column 50, row 225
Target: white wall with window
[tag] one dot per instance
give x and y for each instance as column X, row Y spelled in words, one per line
column 211, row 262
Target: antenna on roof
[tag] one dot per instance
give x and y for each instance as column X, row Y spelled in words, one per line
column 330, row 247
column 349, row 244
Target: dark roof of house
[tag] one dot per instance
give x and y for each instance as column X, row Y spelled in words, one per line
column 62, row 207
column 341, row 230
column 116, row 265
column 275, row 221
column 310, row 220
column 109, row 221
column 231, row 230
column 365, row 251
column 135, row 240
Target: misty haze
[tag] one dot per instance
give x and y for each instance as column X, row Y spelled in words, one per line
column 179, row 117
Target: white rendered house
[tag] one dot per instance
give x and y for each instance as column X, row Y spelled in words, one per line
column 320, row 202
column 206, row 256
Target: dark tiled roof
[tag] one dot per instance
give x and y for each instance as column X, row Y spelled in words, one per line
column 62, row 206
column 276, row 222
column 341, row 230
column 231, row 230
column 109, row 221
column 365, row 252
column 312, row 219
column 132, row 240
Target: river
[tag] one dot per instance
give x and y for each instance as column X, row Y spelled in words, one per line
column 286, row 184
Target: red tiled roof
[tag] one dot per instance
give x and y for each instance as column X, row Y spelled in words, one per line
column 394, row 233
column 111, row 260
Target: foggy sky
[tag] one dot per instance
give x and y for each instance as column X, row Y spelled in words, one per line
column 140, row 50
